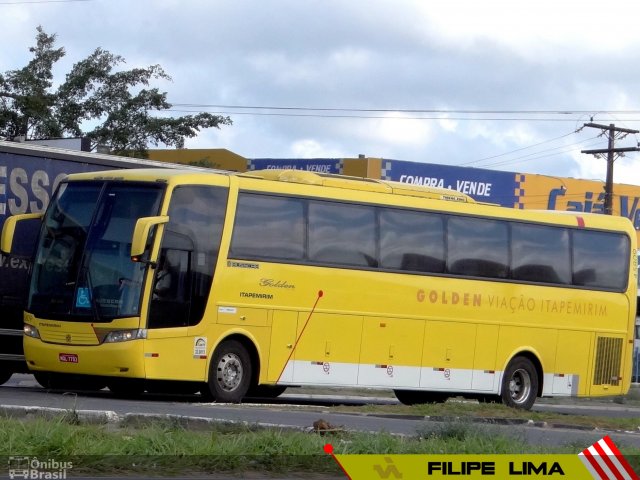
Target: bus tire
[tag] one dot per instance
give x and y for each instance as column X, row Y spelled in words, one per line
column 5, row 375
column 520, row 384
column 229, row 373
column 42, row 378
column 416, row 397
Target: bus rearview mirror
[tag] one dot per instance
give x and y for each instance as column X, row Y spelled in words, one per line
column 141, row 234
column 9, row 229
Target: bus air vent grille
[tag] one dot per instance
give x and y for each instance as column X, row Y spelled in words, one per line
column 608, row 361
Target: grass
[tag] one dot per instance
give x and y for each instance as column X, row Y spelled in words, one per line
column 169, row 448
column 454, row 408
column 166, row 448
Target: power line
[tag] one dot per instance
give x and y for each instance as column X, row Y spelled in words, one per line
column 518, row 150
column 404, row 110
column 531, row 157
column 610, row 151
column 537, row 155
column 384, row 117
column 410, row 114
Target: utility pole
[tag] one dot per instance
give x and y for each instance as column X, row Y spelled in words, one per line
column 610, row 151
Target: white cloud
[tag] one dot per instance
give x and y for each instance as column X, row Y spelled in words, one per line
column 309, row 148
column 373, row 54
column 400, row 131
column 546, row 28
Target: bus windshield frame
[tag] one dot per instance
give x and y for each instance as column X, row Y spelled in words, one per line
column 83, row 270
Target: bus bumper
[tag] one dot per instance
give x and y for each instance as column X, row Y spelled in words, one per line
column 125, row 359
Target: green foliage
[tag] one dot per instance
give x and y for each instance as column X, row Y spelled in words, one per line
column 165, row 448
column 119, row 104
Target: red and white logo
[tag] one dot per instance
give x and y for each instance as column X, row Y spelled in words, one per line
column 68, row 357
column 604, row 461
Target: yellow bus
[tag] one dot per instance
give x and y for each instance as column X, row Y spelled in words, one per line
column 243, row 284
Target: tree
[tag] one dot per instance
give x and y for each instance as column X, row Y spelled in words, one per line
column 93, row 93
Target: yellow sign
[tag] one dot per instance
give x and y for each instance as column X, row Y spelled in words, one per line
column 602, row 460
column 570, row 194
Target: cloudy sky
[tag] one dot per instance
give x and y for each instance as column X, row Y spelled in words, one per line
column 504, row 85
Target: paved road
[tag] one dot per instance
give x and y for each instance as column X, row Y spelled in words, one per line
column 22, row 391
column 22, row 396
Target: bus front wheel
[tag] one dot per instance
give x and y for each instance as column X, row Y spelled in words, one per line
column 229, row 373
column 520, row 384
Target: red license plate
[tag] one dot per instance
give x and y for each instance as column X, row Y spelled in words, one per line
column 68, row 357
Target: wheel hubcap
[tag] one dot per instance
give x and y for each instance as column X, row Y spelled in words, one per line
column 520, row 386
column 229, row 372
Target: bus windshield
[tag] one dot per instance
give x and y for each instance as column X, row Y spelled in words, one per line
column 83, row 270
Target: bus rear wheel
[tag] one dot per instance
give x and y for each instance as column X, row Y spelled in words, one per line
column 520, row 384
column 229, row 373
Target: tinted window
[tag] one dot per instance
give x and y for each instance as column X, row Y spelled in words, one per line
column 188, row 256
column 540, row 254
column 600, row 259
column 269, row 227
column 342, row 233
column 332, row 233
column 477, row 247
column 83, row 269
column 411, row 241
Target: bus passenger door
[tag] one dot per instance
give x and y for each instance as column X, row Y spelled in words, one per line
column 168, row 349
column 176, row 345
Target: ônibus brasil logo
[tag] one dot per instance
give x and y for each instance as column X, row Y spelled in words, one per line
column 34, row 468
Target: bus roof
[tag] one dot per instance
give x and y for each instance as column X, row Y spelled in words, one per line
column 358, row 183
column 290, row 176
column 364, row 185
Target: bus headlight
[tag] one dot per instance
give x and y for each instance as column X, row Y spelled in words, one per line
column 125, row 335
column 30, row 331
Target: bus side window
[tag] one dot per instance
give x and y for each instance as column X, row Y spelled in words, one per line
column 259, row 225
column 170, row 298
column 411, row 241
column 477, row 247
column 540, row 253
column 599, row 259
column 342, row 234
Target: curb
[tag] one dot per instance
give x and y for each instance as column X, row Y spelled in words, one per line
column 92, row 417
column 135, row 420
column 141, row 420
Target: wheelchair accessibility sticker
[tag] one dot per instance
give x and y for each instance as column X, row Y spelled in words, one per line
column 82, row 298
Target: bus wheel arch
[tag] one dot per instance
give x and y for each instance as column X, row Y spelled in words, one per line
column 522, row 381
column 233, row 369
